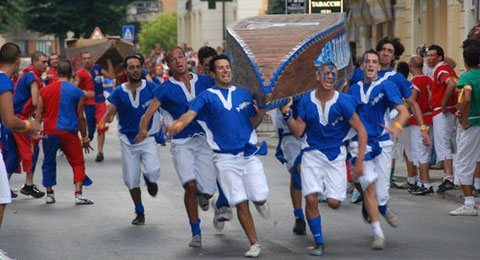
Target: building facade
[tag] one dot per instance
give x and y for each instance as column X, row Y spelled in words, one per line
column 198, row 24
column 415, row 22
column 29, row 42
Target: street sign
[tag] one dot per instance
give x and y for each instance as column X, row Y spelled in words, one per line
column 128, row 33
column 325, row 7
column 97, row 34
column 295, row 6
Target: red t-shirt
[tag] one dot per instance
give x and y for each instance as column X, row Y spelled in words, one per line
column 52, row 71
column 423, row 85
column 86, row 83
column 442, row 73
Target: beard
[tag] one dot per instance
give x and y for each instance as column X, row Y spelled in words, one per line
column 134, row 79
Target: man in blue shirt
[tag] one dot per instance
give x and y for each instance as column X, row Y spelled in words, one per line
column 377, row 96
column 326, row 118
column 130, row 100
column 229, row 115
column 191, row 155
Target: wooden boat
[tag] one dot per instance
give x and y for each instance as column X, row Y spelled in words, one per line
column 276, row 56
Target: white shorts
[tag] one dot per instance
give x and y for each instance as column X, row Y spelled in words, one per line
column 291, row 147
column 136, row 155
column 241, row 178
column 377, row 171
column 319, row 175
column 192, row 159
column 443, row 125
column 401, row 145
column 5, row 195
column 420, row 153
column 468, row 154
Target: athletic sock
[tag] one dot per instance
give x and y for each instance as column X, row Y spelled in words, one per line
column 476, row 184
column 419, row 183
column 427, row 184
column 469, row 202
column 377, row 230
column 139, row 207
column 195, row 226
column 299, row 214
column 382, row 209
column 411, row 180
column 315, row 225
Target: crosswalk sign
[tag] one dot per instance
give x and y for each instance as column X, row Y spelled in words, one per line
column 128, row 33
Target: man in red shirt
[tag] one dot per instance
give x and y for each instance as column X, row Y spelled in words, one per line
column 444, row 100
column 52, row 72
column 88, row 79
column 61, row 109
column 419, row 152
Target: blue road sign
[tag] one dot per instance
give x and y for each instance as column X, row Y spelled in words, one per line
column 128, row 33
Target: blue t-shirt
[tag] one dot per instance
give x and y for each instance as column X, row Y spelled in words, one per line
column 6, row 84
column 130, row 110
column 175, row 99
column 326, row 129
column 225, row 115
column 22, row 91
column 376, row 99
column 96, row 74
column 403, row 85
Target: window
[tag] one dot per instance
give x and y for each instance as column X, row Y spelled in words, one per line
column 44, row 46
column 23, row 47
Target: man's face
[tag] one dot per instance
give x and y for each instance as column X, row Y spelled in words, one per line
column 134, row 70
column 54, row 61
column 159, row 70
column 177, row 61
column 41, row 64
column 371, row 66
column 222, row 73
column 87, row 60
column 206, row 64
column 387, row 54
column 327, row 77
column 432, row 58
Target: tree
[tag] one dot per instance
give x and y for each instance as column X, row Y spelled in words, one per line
column 162, row 30
column 60, row 16
column 276, row 7
column 10, row 14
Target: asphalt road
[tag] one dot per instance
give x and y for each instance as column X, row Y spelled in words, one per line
column 34, row 230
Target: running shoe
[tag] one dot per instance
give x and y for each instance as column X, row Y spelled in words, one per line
column 378, row 243
column 356, row 197
column 253, row 251
column 50, row 199
column 32, row 191
column 464, row 211
column 217, row 224
column 391, row 218
column 446, row 185
column 263, row 210
column 81, row 200
column 203, row 202
column 225, row 214
column 152, row 187
column 139, row 219
column 300, row 227
column 423, row 191
column 3, row 255
column 318, row 249
column 99, row 157
column 13, row 194
column 196, row 241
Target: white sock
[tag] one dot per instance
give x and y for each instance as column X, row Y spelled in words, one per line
column 427, row 184
column 411, row 180
column 419, row 183
column 476, row 183
column 469, row 202
column 377, row 230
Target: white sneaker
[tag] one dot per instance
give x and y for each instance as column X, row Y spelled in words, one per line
column 263, row 210
column 50, row 199
column 218, row 225
column 253, row 251
column 196, row 241
column 464, row 211
column 203, row 202
column 3, row 255
column 378, row 243
column 391, row 218
column 81, row 200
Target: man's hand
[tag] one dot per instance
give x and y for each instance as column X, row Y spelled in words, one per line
column 358, row 170
column 89, row 94
column 395, row 131
column 35, row 130
column 141, row 136
column 284, row 109
column 175, row 128
column 86, row 147
column 444, row 109
column 426, row 137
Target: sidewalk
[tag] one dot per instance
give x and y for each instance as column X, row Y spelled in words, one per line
column 436, row 176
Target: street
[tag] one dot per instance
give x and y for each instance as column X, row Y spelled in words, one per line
column 34, row 230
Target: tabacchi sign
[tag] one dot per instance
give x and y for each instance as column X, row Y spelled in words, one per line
column 325, row 7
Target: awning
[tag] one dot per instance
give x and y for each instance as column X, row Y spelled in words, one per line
column 368, row 12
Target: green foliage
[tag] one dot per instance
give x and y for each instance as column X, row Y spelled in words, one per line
column 162, row 30
column 10, row 14
column 60, row 16
column 276, row 7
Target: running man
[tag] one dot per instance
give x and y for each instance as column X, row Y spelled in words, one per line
column 326, row 117
column 229, row 116
column 130, row 100
column 377, row 96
